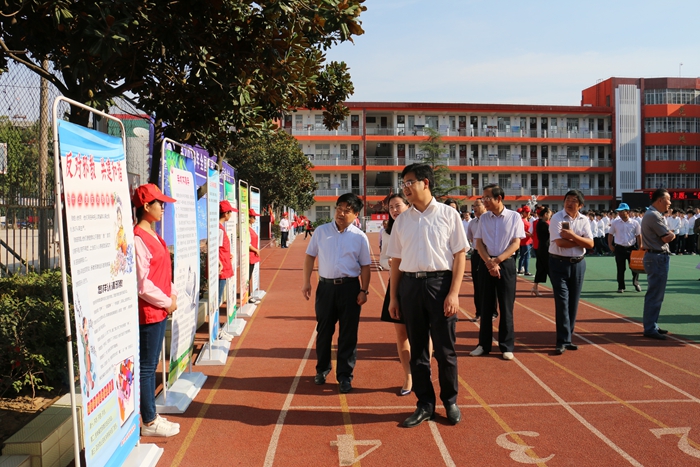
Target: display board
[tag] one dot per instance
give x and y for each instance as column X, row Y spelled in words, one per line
column 232, row 232
column 244, row 241
column 213, row 251
column 255, row 205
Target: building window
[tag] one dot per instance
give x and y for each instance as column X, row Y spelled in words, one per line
column 323, row 151
column 411, row 151
column 318, row 122
column 453, row 151
column 323, row 181
column 503, row 152
column 505, row 181
column 572, row 124
column 503, row 123
column 431, row 121
column 323, row 212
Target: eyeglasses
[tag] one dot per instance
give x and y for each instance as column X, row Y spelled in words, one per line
column 486, row 198
column 408, row 183
column 345, row 212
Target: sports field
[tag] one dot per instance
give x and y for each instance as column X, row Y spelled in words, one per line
column 680, row 313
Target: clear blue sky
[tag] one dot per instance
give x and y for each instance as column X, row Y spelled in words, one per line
column 517, row 52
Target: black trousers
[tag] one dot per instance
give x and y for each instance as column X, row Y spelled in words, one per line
column 422, row 305
column 477, row 263
column 499, row 292
column 283, row 242
column 542, row 264
column 690, row 243
column 337, row 304
column 622, row 258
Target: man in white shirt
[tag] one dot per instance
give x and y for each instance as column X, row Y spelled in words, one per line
column 427, row 246
column 284, row 229
column 674, row 225
column 497, row 239
column 625, row 237
column 343, row 284
column 476, row 261
column 570, row 235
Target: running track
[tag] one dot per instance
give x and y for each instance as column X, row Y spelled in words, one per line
column 619, row 400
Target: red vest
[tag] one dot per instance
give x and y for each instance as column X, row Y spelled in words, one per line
column 252, row 257
column 535, row 240
column 160, row 273
column 225, row 256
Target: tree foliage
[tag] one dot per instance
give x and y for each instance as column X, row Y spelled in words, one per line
column 21, row 179
column 210, row 71
column 434, row 154
column 274, row 163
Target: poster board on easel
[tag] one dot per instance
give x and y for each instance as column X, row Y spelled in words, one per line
column 234, row 325
column 255, row 204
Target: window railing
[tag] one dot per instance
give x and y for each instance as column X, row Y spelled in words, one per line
column 380, row 190
column 337, row 191
column 580, row 162
column 332, row 159
column 316, row 130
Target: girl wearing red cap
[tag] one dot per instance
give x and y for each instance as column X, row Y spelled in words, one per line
column 225, row 256
column 157, row 301
column 254, row 250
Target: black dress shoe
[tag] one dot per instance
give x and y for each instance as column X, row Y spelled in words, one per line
column 345, row 386
column 453, row 414
column 560, row 350
column 571, row 347
column 655, row 335
column 418, row 417
column 320, row 378
column 662, row 331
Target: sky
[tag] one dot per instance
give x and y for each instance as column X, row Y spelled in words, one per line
column 515, row 52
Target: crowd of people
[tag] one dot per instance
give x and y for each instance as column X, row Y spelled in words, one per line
column 426, row 244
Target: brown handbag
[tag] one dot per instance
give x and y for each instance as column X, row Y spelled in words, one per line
column 637, row 261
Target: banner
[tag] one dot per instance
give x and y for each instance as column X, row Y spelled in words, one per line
column 213, row 251
column 244, row 240
column 202, row 162
column 182, row 230
column 103, row 275
column 232, row 231
column 255, row 205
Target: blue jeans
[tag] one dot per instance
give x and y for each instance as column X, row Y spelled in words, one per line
column 524, row 260
column 656, row 266
column 151, row 342
column 567, row 282
column 222, row 287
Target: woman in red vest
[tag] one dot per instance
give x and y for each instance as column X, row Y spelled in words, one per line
column 254, row 252
column 225, row 256
column 157, row 301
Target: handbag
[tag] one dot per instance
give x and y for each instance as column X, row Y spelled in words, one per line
column 637, row 261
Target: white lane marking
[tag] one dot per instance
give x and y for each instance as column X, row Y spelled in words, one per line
column 518, row 451
column 578, row 416
column 272, row 447
column 478, row 406
column 441, row 445
column 346, row 449
column 683, row 443
column 626, row 362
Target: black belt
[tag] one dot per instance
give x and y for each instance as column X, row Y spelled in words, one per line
column 338, row 281
column 626, row 247
column 658, row 252
column 568, row 259
column 425, row 275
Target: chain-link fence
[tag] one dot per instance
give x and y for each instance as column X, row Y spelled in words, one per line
column 28, row 241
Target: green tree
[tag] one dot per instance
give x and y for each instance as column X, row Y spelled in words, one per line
column 434, row 154
column 274, row 163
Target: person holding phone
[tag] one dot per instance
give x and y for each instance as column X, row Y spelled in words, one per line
column 569, row 234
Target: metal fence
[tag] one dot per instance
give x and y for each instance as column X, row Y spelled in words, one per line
column 28, row 241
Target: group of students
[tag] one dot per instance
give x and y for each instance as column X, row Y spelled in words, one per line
column 157, row 296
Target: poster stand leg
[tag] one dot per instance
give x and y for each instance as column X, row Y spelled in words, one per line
column 235, row 327
column 181, row 394
column 214, row 353
column 144, row 455
column 259, row 294
column 247, row 310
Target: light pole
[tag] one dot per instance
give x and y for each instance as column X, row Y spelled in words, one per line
column 679, row 69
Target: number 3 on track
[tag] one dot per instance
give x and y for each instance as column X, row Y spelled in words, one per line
column 519, row 451
column 683, row 443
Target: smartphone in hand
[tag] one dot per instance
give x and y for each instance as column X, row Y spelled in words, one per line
column 565, row 225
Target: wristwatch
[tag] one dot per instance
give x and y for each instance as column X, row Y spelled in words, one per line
column 366, row 292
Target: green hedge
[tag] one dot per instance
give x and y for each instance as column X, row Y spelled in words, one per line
column 32, row 333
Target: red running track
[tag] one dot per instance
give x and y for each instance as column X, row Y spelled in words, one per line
column 619, row 400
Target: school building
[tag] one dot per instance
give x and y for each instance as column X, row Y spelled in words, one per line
column 628, row 135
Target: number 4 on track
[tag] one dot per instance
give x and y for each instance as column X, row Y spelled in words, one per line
column 346, row 449
column 683, row 443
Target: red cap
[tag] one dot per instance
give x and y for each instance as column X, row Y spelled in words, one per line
column 526, row 208
column 520, row 210
column 225, row 206
column 147, row 194
column 284, row 214
column 251, row 212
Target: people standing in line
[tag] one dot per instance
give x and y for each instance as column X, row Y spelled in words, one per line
column 476, row 261
column 427, row 246
column 600, row 237
column 656, row 236
column 674, row 225
column 284, row 229
column 542, row 265
column 625, row 237
column 569, row 235
column 157, row 300
column 594, row 231
column 497, row 239
column 690, row 241
column 253, row 252
column 525, row 243
column 682, row 233
column 225, row 255
column 343, row 285
column 397, row 204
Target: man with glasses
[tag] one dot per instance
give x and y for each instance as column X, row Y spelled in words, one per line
column 427, row 246
column 343, row 284
column 497, row 239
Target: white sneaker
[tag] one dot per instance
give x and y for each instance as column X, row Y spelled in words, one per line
column 223, row 335
column 160, row 427
column 507, row 355
column 479, row 351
